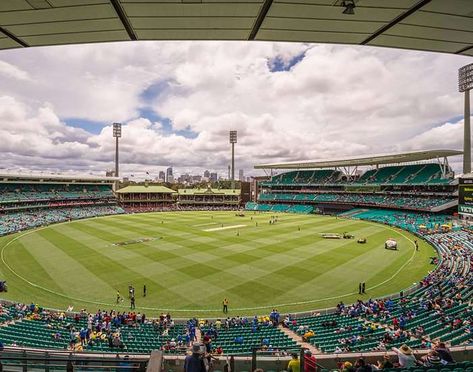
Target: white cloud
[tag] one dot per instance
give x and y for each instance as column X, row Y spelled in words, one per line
column 8, row 70
column 337, row 101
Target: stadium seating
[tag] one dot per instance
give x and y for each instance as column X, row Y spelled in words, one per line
column 13, row 222
column 421, row 223
column 415, row 174
column 226, row 338
column 30, row 204
column 438, row 309
column 439, row 304
column 11, row 192
column 361, row 199
column 306, row 177
column 279, row 208
column 37, row 329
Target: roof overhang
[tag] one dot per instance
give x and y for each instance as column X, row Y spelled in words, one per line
column 143, row 189
column 363, row 161
column 428, row 25
column 10, row 177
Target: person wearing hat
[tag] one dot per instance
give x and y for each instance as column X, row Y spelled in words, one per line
column 195, row 361
column 310, row 363
column 347, row 367
column 406, row 358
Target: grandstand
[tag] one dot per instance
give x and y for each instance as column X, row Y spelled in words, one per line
column 437, row 309
column 144, row 198
column 209, row 198
column 403, row 181
column 32, row 201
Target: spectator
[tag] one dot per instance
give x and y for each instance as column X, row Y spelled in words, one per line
column 310, row 363
column 405, row 356
column 432, row 359
column 195, row 361
column 347, row 367
column 294, row 365
column 362, row 366
column 385, row 363
column 444, row 353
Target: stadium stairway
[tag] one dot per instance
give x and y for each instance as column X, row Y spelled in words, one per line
column 352, row 212
column 298, row 340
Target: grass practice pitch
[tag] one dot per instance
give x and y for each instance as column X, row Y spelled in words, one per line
column 190, row 261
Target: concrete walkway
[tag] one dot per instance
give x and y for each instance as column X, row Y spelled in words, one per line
column 298, row 339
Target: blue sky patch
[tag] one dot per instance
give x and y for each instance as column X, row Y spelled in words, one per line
column 277, row 64
column 91, row 126
column 153, row 91
column 166, row 124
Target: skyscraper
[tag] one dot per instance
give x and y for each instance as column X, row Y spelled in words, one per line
column 169, row 176
column 241, row 175
column 162, row 176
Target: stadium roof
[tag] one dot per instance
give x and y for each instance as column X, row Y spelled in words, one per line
column 142, row 189
column 209, row 191
column 6, row 177
column 430, row 25
column 361, row 161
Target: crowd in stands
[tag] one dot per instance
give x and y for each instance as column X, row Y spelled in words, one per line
column 419, row 223
column 433, row 316
column 360, row 199
column 33, row 204
column 13, row 222
column 437, row 313
column 416, row 174
column 177, row 207
column 29, row 192
column 285, row 208
column 103, row 331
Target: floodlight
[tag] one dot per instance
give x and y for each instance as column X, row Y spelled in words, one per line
column 465, row 78
column 117, row 130
column 465, row 84
column 233, row 136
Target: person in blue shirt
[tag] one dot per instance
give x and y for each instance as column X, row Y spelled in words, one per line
column 195, row 362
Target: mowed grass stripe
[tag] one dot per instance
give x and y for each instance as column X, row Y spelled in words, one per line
column 120, row 266
column 191, row 269
column 29, row 268
column 63, row 269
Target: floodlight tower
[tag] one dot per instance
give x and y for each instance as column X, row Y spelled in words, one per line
column 465, row 84
column 117, row 133
column 233, row 140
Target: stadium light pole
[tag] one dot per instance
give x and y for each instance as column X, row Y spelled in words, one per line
column 117, row 133
column 233, row 140
column 465, row 84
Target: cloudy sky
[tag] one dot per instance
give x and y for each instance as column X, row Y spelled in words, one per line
column 178, row 100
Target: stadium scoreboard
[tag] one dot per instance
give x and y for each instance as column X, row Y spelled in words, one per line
column 465, row 196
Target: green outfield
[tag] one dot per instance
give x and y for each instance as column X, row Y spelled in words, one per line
column 190, row 261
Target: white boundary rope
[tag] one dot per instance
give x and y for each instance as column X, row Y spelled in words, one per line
column 2, row 255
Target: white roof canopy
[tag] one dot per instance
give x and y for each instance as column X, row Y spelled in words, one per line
column 362, row 161
column 429, row 25
column 13, row 177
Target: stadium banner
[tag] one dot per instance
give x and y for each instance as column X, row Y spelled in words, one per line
column 465, row 196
